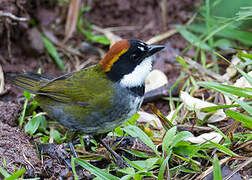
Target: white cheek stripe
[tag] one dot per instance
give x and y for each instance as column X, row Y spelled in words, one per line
column 139, row 74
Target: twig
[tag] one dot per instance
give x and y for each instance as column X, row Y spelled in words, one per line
column 123, row 28
column 111, row 36
column 162, row 36
column 161, row 92
column 238, row 169
column 201, row 69
column 72, row 17
column 210, row 169
column 164, row 17
column 1, row 80
column 8, row 40
column 7, row 14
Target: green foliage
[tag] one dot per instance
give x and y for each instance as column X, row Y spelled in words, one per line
column 89, row 35
column 230, row 91
column 27, row 96
column 57, row 136
column 13, row 176
column 134, row 131
column 213, row 30
column 244, row 119
column 53, row 52
column 101, row 174
column 32, row 126
column 3, row 172
column 216, row 168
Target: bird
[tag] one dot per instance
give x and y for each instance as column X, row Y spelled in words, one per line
column 97, row 99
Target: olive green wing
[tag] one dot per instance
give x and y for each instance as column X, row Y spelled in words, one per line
column 80, row 87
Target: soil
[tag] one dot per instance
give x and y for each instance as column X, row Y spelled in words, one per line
column 21, row 49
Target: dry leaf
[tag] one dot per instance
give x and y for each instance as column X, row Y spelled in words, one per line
column 242, row 82
column 72, row 18
column 196, row 104
column 231, row 71
column 170, row 116
column 154, row 80
column 203, row 138
column 146, row 118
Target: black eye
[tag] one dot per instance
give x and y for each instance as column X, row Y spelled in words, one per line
column 133, row 57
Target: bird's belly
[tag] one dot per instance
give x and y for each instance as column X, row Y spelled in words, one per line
column 102, row 123
column 93, row 121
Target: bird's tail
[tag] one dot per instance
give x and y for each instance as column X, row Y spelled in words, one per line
column 30, row 82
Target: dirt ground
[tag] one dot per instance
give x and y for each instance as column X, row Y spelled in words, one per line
column 21, row 49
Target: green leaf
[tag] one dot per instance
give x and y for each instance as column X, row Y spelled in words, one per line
column 134, row 165
column 126, row 177
column 32, row 125
column 90, row 36
column 162, row 169
column 129, row 170
column 223, row 149
column 73, row 169
column 192, row 38
column 216, row 168
column 227, row 32
column 94, row 170
column 27, row 96
column 16, row 175
column 220, row 132
column 134, row 131
column 138, row 153
column 147, row 164
column 3, row 172
column 132, row 120
column 215, row 108
column 203, row 58
column 181, row 61
column 224, row 44
column 244, row 119
column 56, row 136
column 244, row 105
column 168, row 139
column 53, row 52
column 180, row 137
column 242, row 92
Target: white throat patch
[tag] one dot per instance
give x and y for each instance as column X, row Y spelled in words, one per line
column 139, row 74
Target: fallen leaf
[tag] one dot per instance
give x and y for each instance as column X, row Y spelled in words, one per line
column 72, row 17
column 212, row 136
column 147, row 117
column 231, row 71
column 195, row 104
column 154, row 80
column 242, row 82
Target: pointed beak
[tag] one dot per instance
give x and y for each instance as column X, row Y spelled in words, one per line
column 154, row 48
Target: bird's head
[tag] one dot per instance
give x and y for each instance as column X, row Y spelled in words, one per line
column 128, row 62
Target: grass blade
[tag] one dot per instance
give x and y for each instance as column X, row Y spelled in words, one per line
column 244, row 119
column 216, row 168
column 241, row 92
column 53, row 52
column 16, row 174
column 135, row 131
column 96, row 171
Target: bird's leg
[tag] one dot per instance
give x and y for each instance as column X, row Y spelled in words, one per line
column 120, row 162
column 70, row 144
column 72, row 149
